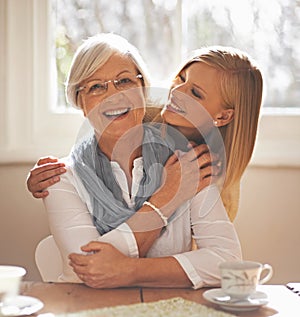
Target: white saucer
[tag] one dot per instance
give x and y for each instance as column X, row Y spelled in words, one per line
column 20, row 306
column 255, row 301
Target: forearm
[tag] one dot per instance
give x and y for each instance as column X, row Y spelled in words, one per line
column 146, row 224
column 158, row 272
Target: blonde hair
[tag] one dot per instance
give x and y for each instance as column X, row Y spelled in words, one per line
column 241, row 87
column 94, row 53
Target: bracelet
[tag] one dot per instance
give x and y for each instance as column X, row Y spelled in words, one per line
column 157, row 210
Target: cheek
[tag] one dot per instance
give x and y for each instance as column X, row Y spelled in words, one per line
column 96, row 119
column 90, row 106
column 137, row 99
column 199, row 115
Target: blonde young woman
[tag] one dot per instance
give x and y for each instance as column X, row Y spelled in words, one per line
column 228, row 84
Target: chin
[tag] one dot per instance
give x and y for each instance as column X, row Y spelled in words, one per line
column 173, row 119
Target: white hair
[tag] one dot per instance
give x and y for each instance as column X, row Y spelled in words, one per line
column 94, row 53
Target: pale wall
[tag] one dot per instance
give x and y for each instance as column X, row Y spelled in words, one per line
column 267, row 223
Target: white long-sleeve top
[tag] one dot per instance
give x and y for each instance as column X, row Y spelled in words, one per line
column 203, row 218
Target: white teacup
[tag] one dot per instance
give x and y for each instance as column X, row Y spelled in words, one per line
column 10, row 278
column 239, row 279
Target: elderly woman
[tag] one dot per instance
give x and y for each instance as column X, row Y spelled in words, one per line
column 112, row 189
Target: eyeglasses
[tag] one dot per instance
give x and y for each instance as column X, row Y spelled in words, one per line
column 97, row 88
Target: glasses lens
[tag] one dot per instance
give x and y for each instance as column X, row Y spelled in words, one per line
column 126, row 83
column 97, row 89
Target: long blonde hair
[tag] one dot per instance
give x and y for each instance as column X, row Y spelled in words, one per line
column 241, row 87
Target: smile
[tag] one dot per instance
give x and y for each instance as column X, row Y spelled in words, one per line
column 171, row 106
column 112, row 114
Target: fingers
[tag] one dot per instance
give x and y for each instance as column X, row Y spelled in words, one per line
column 196, row 152
column 203, row 155
column 77, row 260
column 208, row 175
column 41, row 177
column 210, row 171
column 53, row 169
column 79, row 264
column 205, row 182
column 206, row 171
column 34, row 184
column 42, row 194
column 45, row 160
column 94, row 246
column 207, row 159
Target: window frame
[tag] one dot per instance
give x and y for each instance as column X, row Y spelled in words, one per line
column 30, row 128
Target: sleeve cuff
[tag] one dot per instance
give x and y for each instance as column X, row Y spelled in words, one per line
column 189, row 271
column 123, row 239
column 128, row 235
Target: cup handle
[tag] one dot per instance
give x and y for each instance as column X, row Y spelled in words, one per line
column 266, row 267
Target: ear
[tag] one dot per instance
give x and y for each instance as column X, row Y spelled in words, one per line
column 224, row 117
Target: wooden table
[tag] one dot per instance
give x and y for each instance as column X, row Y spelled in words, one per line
column 63, row 298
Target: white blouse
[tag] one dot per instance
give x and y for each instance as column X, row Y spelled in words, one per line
column 202, row 218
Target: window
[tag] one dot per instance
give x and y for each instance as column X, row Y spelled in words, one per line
column 164, row 30
column 31, row 123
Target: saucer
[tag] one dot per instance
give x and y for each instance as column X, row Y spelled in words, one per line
column 21, row 306
column 255, row 301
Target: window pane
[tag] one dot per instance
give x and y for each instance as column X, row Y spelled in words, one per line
column 268, row 30
column 164, row 29
column 149, row 25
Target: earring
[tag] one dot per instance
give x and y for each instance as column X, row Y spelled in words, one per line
column 215, row 123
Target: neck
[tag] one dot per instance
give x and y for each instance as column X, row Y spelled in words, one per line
column 190, row 134
column 124, row 149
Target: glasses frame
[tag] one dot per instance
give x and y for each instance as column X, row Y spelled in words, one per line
column 105, row 84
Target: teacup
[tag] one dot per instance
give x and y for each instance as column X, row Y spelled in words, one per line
column 10, row 278
column 239, row 279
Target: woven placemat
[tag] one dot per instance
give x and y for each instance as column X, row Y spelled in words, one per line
column 175, row 307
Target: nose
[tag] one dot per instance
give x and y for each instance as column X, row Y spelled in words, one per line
column 181, row 87
column 111, row 88
column 178, row 95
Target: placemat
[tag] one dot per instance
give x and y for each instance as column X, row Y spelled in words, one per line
column 175, row 307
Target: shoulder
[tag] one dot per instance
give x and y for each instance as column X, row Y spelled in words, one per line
column 69, row 185
column 208, row 201
column 69, row 165
column 66, row 178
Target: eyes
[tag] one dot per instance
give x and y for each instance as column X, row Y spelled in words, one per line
column 181, row 79
column 96, row 87
column 124, row 83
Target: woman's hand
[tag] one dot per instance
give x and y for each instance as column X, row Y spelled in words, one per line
column 44, row 174
column 104, row 267
column 185, row 175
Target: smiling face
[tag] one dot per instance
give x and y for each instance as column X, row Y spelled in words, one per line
column 112, row 98
column 195, row 100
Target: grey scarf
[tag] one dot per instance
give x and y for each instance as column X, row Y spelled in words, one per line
column 94, row 170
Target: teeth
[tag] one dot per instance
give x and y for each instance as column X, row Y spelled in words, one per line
column 175, row 107
column 116, row 112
